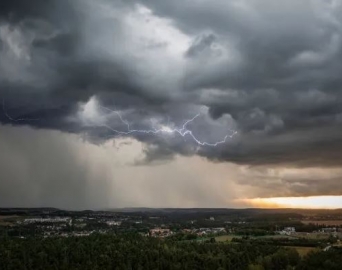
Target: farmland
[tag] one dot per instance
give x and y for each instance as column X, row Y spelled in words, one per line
column 7, row 220
column 323, row 222
column 305, row 250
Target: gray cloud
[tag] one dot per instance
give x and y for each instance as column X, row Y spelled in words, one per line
column 289, row 182
column 269, row 70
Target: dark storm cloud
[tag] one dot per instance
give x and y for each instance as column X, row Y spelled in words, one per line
column 201, row 44
column 281, row 82
column 273, row 68
column 44, row 55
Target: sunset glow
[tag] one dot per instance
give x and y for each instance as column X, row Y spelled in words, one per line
column 315, row 202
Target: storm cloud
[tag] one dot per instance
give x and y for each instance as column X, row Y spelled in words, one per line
column 267, row 74
column 275, row 71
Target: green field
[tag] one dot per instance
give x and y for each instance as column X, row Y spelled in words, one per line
column 229, row 237
column 304, row 250
column 301, row 250
column 225, row 238
column 8, row 220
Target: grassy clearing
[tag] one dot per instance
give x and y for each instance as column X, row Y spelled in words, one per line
column 304, row 250
column 7, row 217
column 7, row 220
column 225, row 238
column 229, row 237
column 323, row 222
column 313, row 235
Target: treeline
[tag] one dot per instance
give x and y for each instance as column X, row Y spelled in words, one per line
column 132, row 251
column 253, row 232
column 323, row 260
column 299, row 242
column 327, row 260
column 125, row 252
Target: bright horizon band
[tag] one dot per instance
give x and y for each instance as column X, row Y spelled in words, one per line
column 311, row 202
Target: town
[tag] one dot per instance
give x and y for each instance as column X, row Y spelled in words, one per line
column 267, row 238
column 161, row 223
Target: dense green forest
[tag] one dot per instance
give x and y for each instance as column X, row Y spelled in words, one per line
column 137, row 252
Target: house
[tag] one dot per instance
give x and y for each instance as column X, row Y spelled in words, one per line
column 328, row 230
column 287, row 231
column 201, row 233
column 290, row 229
column 159, row 232
column 113, row 223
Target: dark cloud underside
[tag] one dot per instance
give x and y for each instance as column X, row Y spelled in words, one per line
column 274, row 69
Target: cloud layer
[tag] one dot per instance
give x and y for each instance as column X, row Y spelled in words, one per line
column 269, row 71
column 273, row 70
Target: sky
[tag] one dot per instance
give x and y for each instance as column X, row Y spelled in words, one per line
column 183, row 103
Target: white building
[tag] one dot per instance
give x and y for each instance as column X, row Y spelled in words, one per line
column 113, row 223
column 290, row 229
column 48, row 220
column 287, row 231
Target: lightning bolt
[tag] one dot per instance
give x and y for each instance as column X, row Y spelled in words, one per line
column 183, row 131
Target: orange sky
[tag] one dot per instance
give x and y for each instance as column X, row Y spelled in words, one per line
column 314, row 202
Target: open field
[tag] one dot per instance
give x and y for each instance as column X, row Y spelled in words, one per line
column 313, row 235
column 229, row 237
column 7, row 217
column 225, row 238
column 275, row 236
column 323, row 222
column 301, row 250
column 304, row 250
column 322, row 236
column 7, row 220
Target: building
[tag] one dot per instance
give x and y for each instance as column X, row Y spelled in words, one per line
column 218, row 230
column 159, row 232
column 287, row 231
column 48, row 220
column 113, row 223
column 328, row 230
column 290, row 229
